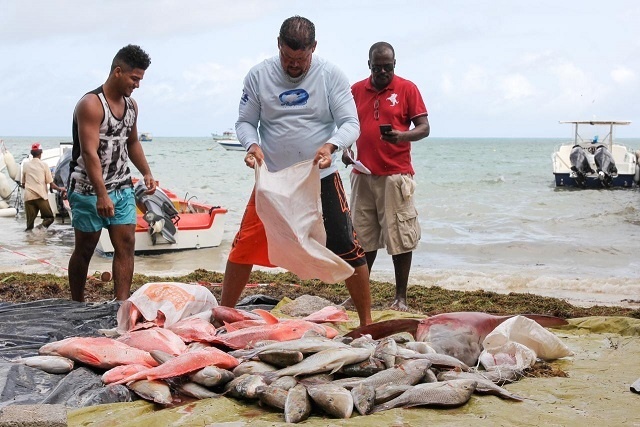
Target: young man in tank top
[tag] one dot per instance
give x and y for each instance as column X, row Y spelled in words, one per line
column 105, row 137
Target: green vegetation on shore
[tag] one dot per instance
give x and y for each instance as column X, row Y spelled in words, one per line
column 16, row 287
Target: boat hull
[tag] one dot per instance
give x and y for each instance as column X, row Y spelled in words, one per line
column 622, row 181
column 231, row 145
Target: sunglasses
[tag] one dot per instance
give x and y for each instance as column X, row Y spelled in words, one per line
column 378, row 68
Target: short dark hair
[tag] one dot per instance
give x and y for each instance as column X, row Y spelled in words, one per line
column 298, row 33
column 130, row 57
column 381, row 46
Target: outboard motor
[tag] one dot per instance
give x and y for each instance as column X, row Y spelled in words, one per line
column 159, row 212
column 580, row 165
column 606, row 165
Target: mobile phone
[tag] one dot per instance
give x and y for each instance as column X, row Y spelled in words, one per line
column 385, row 129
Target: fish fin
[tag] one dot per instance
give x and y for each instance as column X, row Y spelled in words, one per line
column 268, row 317
column 385, row 328
column 229, row 327
column 547, row 321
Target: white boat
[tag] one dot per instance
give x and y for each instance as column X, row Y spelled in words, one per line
column 228, row 140
column 171, row 223
column 145, row 137
column 593, row 162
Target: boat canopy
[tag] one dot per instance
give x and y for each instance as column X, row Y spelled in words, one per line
column 597, row 122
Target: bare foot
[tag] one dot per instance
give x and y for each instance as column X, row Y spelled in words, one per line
column 399, row 305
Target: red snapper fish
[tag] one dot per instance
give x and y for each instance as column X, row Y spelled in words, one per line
column 154, row 339
column 285, row 330
column 99, row 352
column 120, row 372
column 328, row 314
column 184, row 364
column 222, row 314
column 457, row 334
column 194, row 329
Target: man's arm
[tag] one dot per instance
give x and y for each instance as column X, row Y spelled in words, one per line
column 137, row 157
column 343, row 109
column 421, row 130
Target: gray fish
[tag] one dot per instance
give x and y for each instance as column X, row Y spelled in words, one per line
column 484, row 385
column 443, row 394
column 386, row 350
column 419, row 347
column 196, row 390
column 153, row 390
column 386, row 392
column 366, row 368
column 211, row 376
column 273, row 396
column 438, row 360
column 324, row 361
column 252, row 367
column 49, row 364
column 245, row 386
column 408, row 372
column 334, row 400
column 161, row 356
column 281, row 358
column 363, row 398
column 323, row 378
column 303, row 345
column 430, row 377
column 285, row 382
column 297, row 407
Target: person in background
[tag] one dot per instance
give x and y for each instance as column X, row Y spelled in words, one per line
column 36, row 177
column 105, row 137
column 382, row 203
column 295, row 101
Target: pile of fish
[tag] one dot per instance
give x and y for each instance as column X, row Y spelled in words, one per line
column 297, row 366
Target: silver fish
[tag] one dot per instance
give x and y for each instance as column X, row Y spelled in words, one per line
column 363, row 398
column 154, row 390
column 438, row 360
column 334, row 400
column 245, row 386
column 252, row 367
column 285, row 382
column 386, row 350
column 161, row 356
column 484, row 385
column 297, row 407
column 420, row 347
column 273, row 396
column 445, row 394
column 324, row 361
column 366, row 368
column 386, row 392
column 430, row 377
column 49, row 364
column 281, row 358
column 196, row 390
column 408, row 372
column 211, row 376
column 303, row 345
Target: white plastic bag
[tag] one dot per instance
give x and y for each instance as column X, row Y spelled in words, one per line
column 523, row 340
column 288, row 204
column 174, row 300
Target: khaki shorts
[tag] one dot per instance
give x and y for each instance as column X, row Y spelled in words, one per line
column 383, row 212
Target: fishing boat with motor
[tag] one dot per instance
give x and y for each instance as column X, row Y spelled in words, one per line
column 166, row 222
column 145, row 137
column 228, row 140
column 593, row 162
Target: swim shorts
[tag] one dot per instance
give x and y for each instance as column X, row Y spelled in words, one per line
column 84, row 215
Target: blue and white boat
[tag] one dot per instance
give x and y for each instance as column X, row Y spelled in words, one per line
column 228, row 140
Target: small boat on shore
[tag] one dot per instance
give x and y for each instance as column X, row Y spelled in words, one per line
column 591, row 162
column 228, row 140
column 166, row 222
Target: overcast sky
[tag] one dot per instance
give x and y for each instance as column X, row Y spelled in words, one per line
column 494, row 68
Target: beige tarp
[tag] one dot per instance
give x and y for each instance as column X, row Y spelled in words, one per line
column 596, row 393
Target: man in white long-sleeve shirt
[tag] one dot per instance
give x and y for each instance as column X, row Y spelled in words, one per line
column 290, row 107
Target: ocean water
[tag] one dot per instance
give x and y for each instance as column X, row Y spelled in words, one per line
column 491, row 219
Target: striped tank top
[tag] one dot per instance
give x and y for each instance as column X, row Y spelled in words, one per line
column 112, row 149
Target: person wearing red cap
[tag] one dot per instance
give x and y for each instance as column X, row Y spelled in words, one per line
column 36, row 175
column 105, row 138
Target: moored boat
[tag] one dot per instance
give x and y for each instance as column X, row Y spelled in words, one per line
column 228, row 140
column 145, row 137
column 593, row 162
column 166, row 222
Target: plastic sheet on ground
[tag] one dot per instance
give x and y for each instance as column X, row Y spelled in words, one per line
column 596, row 391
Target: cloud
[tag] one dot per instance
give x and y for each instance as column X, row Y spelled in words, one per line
column 623, row 75
column 516, row 87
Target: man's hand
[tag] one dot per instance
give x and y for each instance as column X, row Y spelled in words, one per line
column 392, row 137
column 254, row 155
column 104, row 206
column 150, row 183
column 323, row 155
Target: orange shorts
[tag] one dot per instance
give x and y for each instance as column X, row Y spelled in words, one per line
column 250, row 244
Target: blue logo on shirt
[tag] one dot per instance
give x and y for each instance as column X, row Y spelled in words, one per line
column 244, row 98
column 292, row 98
